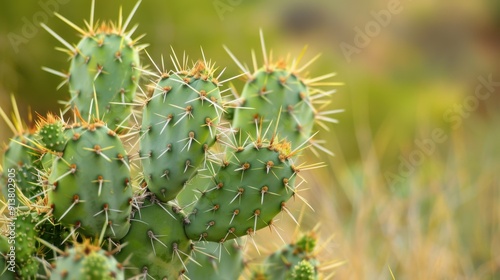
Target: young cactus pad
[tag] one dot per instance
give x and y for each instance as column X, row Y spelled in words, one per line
column 90, row 183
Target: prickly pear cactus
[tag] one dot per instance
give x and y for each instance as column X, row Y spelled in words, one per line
column 179, row 125
column 245, row 194
column 90, row 185
column 87, row 262
column 206, row 171
column 278, row 97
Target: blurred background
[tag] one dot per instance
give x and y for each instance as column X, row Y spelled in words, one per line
column 413, row 187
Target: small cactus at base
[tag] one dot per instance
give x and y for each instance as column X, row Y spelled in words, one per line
column 304, row 270
column 296, row 260
column 87, row 262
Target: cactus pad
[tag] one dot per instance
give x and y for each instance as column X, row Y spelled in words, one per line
column 245, row 194
column 178, row 126
column 90, row 183
column 156, row 245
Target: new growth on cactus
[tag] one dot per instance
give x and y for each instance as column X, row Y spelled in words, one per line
column 164, row 177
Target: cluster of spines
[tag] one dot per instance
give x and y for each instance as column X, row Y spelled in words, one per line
column 156, row 245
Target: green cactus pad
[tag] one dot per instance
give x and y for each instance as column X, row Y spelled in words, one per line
column 178, row 126
column 245, row 194
column 87, row 262
column 90, row 183
column 267, row 94
column 104, row 66
column 156, row 245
